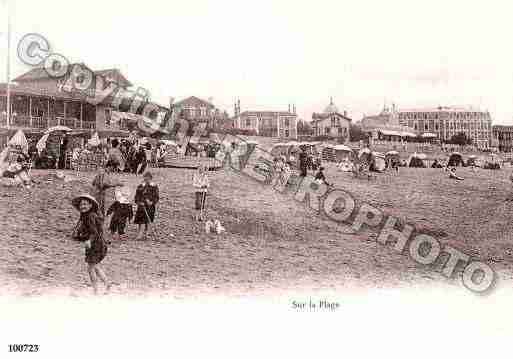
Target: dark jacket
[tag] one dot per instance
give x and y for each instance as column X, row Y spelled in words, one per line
column 147, row 192
column 120, row 212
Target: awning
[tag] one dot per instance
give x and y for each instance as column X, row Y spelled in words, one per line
column 343, row 148
column 408, row 134
column 429, row 135
column 390, row 133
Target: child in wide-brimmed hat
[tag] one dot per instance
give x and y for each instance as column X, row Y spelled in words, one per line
column 146, row 198
column 121, row 211
column 92, row 230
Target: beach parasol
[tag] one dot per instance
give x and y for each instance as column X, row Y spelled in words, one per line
column 94, row 140
column 58, row 128
column 41, row 144
column 19, row 139
column 392, row 153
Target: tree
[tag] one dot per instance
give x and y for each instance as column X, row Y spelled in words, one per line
column 460, row 139
column 356, row 133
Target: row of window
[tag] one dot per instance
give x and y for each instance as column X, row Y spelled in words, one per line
column 436, row 115
column 266, row 122
column 452, row 125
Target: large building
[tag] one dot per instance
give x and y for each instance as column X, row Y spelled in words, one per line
column 440, row 122
column 279, row 124
column 195, row 109
column 502, row 138
column 446, row 122
column 331, row 123
column 38, row 101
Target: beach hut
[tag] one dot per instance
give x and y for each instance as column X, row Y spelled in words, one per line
column 342, row 152
column 417, row 160
column 455, row 159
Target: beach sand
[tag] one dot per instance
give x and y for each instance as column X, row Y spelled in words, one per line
column 272, row 243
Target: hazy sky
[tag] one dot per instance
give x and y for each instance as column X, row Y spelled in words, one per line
column 272, row 53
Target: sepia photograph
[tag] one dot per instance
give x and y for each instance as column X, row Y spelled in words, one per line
column 268, row 178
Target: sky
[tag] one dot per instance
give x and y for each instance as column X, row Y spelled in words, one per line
column 270, row 54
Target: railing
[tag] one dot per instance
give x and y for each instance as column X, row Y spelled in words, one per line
column 46, row 122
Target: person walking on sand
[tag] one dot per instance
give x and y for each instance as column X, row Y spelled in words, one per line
column 101, row 183
column 95, row 245
column 146, row 198
column 200, row 183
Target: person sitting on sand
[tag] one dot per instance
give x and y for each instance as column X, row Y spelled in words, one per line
column 200, row 183
column 146, row 198
column 122, row 212
column 452, row 174
column 95, row 245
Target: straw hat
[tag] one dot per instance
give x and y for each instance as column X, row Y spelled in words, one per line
column 76, row 201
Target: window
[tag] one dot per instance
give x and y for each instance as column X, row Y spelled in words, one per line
column 286, row 133
column 340, row 130
column 108, row 114
column 327, row 130
column 248, row 122
column 287, row 123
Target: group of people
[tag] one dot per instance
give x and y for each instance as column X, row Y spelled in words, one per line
column 93, row 213
column 17, row 166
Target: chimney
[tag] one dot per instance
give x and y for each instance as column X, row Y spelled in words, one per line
column 294, row 109
column 345, row 113
column 289, row 107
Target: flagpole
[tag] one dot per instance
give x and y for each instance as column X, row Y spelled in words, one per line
column 8, row 65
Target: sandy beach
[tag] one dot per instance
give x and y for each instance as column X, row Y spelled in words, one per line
column 272, row 243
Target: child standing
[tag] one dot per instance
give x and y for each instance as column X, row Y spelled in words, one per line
column 200, row 183
column 92, row 232
column 121, row 211
column 146, row 198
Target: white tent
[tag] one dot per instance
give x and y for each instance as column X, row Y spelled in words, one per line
column 19, row 139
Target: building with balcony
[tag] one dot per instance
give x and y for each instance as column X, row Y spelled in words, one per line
column 502, row 137
column 332, row 123
column 38, row 102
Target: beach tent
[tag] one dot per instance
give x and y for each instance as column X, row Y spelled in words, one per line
column 456, row 159
column 278, row 149
column 417, row 160
column 342, row 153
column 392, row 155
column 19, row 139
column 378, row 162
column 472, row 160
column 493, row 162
